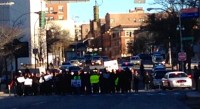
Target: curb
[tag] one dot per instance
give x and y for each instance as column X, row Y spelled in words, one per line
column 193, row 95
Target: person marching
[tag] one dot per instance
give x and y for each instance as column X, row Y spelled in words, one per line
column 136, row 79
column 35, row 85
column 20, row 84
column 28, row 84
column 94, row 81
column 76, row 83
column 147, row 80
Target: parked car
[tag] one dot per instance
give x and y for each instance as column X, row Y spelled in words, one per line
column 158, row 67
column 157, row 76
column 75, row 62
column 74, row 69
column 126, row 64
column 96, row 60
column 105, row 58
column 135, row 60
column 81, row 61
column 176, row 79
column 65, row 66
column 158, row 58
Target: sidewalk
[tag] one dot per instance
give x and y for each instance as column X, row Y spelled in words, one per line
column 193, row 95
column 3, row 94
column 4, row 91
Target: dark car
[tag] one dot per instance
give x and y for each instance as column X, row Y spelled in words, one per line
column 127, row 64
column 74, row 69
column 157, row 77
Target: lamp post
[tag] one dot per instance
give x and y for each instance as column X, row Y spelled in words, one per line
column 180, row 29
column 16, row 20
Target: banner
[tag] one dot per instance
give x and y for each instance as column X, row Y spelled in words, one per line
column 76, row 83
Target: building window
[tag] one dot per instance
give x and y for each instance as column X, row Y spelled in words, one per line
column 112, row 20
column 113, row 35
column 60, row 9
column 141, row 20
column 129, row 33
column 60, row 17
column 51, row 18
column 51, row 10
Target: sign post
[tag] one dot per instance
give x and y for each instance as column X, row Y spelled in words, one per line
column 189, row 13
column 182, row 56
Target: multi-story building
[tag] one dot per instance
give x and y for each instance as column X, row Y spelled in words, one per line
column 60, row 8
column 23, row 14
column 85, row 28
column 118, row 31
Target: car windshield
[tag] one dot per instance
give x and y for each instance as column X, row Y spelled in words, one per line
column 160, row 74
column 74, row 61
column 66, row 63
column 177, row 75
column 96, row 58
column 135, row 58
column 127, row 65
column 74, row 68
column 105, row 58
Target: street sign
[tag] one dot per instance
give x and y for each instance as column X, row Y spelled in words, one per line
column 188, row 38
column 189, row 12
column 182, row 56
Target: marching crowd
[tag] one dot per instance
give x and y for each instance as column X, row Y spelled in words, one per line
column 81, row 82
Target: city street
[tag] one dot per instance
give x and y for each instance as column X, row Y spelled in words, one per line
column 155, row 99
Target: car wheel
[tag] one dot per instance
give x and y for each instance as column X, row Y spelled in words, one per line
column 170, row 88
column 163, row 88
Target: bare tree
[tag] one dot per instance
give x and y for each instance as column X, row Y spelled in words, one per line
column 57, row 41
column 7, row 37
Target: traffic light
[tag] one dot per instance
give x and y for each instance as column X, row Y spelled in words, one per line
column 42, row 21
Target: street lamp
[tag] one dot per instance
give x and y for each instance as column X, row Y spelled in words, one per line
column 15, row 21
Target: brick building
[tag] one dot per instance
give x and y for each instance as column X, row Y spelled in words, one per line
column 117, row 31
column 61, row 9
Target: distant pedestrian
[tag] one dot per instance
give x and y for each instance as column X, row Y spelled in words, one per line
column 196, row 76
column 136, row 79
column 147, row 81
column 20, row 84
column 142, row 70
column 94, row 81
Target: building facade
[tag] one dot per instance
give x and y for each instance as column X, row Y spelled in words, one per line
column 118, row 31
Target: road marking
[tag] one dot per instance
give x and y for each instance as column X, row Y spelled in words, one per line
column 176, row 93
column 135, row 94
column 38, row 103
column 162, row 93
column 149, row 94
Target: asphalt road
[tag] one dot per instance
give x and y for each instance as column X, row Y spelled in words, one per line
column 143, row 100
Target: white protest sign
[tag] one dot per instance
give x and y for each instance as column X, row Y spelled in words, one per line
column 21, row 79
column 111, row 65
column 76, row 83
column 28, row 81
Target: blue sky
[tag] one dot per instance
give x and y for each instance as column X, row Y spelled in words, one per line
column 83, row 11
